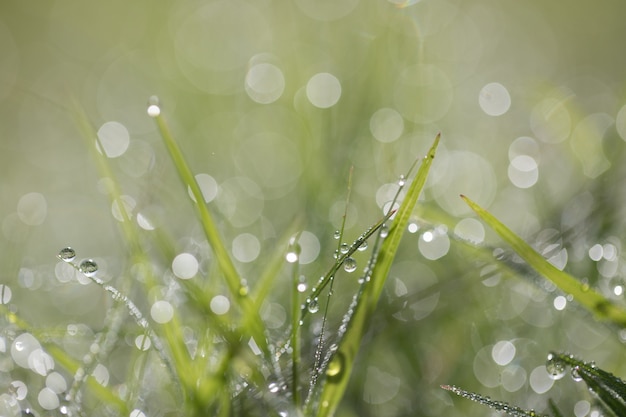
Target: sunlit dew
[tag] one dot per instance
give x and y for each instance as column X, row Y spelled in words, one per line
column 323, row 90
column 412, row 227
column 423, row 93
column 162, row 311
column 246, row 247
column 67, row 254
column 5, row 294
column 128, row 204
column 539, row 380
column 620, row 122
column 301, row 287
column 560, row 302
column 185, row 266
column 56, row 382
column 555, row 367
column 513, row 378
column 114, row 138
column 494, row 99
column 208, row 187
column 471, row 230
column 265, row 83
column 313, row 306
column 88, row 267
column 618, row 290
column 142, row 342
column 349, row 265
column 503, row 352
column 137, row 413
column 386, row 125
column 154, row 110
column 32, row 209
column 101, row 374
column 550, row 121
column 310, row 247
column 523, row 171
column 47, row 399
column 433, row 244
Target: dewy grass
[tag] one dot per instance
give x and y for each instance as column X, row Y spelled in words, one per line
column 234, row 367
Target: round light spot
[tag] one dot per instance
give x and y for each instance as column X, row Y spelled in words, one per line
column 582, row 408
column 423, row 93
column 503, row 352
column 142, row 342
column 265, row 83
column 219, row 305
column 386, row 125
column 154, row 110
column 32, row 209
column 513, row 378
column 56, row 382
column 47, row 399
column 434, row 244
column 137, row 413
column 128, row 204
column 323, row 90
column 494, row 99
column 208, row 187
column 101, row 374
column 471, row 230
column 560, row 302
column 5, row 294
column 246, row 247
column 114, row 138
column 380, row 386
column 162, row 311
column 21, row 348
column 540, row 381
column 484, row 369
column 523, row 171
column 185, row 266
column 550, row 121
column 309, row 247
column 524, row 145
column 40, row 362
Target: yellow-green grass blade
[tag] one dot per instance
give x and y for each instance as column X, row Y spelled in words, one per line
column 252, row 320
column 340, row 366
column 593, row 301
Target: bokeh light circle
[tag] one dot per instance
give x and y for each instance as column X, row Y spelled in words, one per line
column 550, row 121
column 161, row 311
column 323, row 90
column 208, row 187
column 32, row 209
column 494, row 99
column 386, row 125
column 219, row 305
column 185, row 266
column 523, row 171
column 246, row 247
column 265, row 83
column 471, row 230
column 114, row 138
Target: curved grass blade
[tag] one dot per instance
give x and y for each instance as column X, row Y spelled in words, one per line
column 340, row 365
column 233, row 279
column 587, row 297
column 497, row 405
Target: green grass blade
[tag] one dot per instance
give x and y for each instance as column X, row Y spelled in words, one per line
column 343, row 359
column 593, row 301
column 232, row 277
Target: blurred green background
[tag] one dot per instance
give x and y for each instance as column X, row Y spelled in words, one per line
column 274, row 101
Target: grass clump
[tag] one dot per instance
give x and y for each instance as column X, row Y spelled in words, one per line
column 204, row 348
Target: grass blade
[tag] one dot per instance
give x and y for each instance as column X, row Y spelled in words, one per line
column 593, row 301
column 343, row 358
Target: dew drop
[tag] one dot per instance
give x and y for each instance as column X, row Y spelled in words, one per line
column 401, row 181
column 301, row 287
column 344, row 248
column 314, row 306
column 555, row 367
column 335, row 366
column 336, row 235
column 88, row 267
column 293, row 255
column 363, row 246
column 67, row 254
column 336, row 254
column 273, row 387
column 349, row 265
column 384, row 231
column 576, row 374
column 153, row 106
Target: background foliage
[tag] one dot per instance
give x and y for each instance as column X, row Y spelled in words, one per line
column 238, row 81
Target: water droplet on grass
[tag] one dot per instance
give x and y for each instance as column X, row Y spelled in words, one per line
column 314, row 306
column 363, row 246
column 555, row 367
column 88, row 267
column 337, row 235
column 67, row 254
column 153, row 106
column 384, row 231
column 349, row 265
column 344, row 248
column 576, row 374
